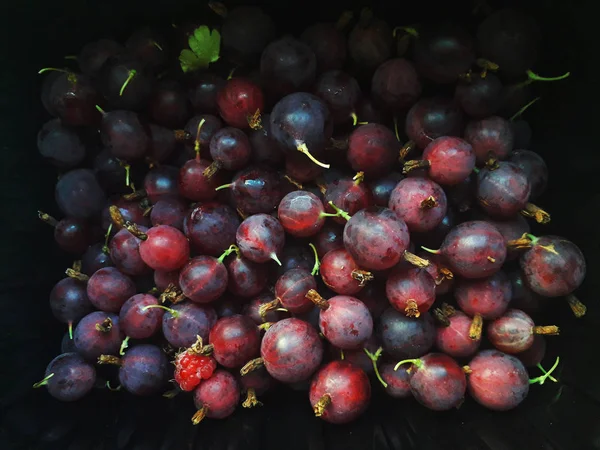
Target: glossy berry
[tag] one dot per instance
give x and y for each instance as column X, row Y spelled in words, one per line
column 211, row 228
column 144, row 370
column 431, row 118
column 194, row 184
column 372, row 149
column 108, row 289
column 329, row 238
column 503, row 190
column 203, row 279
column 420, row 202
column 398, row 381
column 184, row 322
column 341, row 274
column 73, row 99
column 437, row 381
column 341, row 92
column 125, row 252
column 344, row 321
column 165, row 248
column 511, row 229
column 291, row 289
column 260, row 238
column 229, row 149
column 69, row 301
column 291, row 350
column 454, row 339
column 553, row 267
column 535, row 169
column 376, row 238
column 203, row 90
column 474, row 249
column 340, row 392
column 256, row 189
column 68, row 377
column 449, row 160
column 405, row 337
column 301, row 214
column 161, row 182
column 238, row 101
column 235, row 341
column 169, row 211
column 217, row 397
column 395, row 85
column 138, row 322
column 382, row 187
column 348, row 194
column 411, row 291
column 488, row 297
column 246, row 278
column 497, row 381
column 97, row 334
column 191, row 368
column 95, row 258
column 514, row 331
column 124, row 134
column 491, row 137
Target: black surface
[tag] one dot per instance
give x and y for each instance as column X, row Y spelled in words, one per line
column 565, row 415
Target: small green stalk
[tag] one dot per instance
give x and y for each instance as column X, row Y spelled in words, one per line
column 415, row 362
column 374, row 357
column 541, row 379
column 315, row 269
column 43, row 382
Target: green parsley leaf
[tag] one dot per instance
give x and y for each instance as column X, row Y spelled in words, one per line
column 204, row 49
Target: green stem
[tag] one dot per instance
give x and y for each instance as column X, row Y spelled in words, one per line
column 225, row 186
column 541, row 379
column 100, row 110
column 523, row 109
column 374, row 357
column 130, row 76
column 71, row 329
column 43, row 382
column 396, row 128
column 174, row 313
column 340, row 212
column 124, row 345
column 532, row 238
column 408, row 30
column 302, row 148
column 157, row 45
column 229, row 251
column 354, row 118
column 435, row 252
column 315, row 269
column 535, row 77
column 52, row 69
column 551, row 378
column 106, row 239
column 275, row 258
column 416, row 362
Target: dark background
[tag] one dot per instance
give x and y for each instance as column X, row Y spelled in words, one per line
column 564, row 415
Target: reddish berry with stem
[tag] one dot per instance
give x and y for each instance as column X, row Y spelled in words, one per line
column 125, row 252
column 164, row 248
column 97, row 334
column 397, row 382
column 291, row 289
column 169, row 211
column 246, row 278
column 69, row 302
column 261, row 238
column 217, row 397
column 254, row 384
column 499, row 381
column 124, row 134
column 344, row 321
column 234, row 340
column 405, row 337
column 492, row 137
column 68, row 377
column 138, row 322
column 341, row 274
column 340, row 392
column 473, row 249
column 420, row 202
column 108, row 289
column 291, row 350
column 372, row 150
column 514, row 331
column 204, row 278
column 182, row 323
column 449, row 161
column 438, row 269
column 454, row 339
column 253, row 310
column 211, row 228
column 229, row 149
column 411, row 291
column 302, row 214
column 436, row 381
column 341, row 92
column 348, row 195
column 238, row 101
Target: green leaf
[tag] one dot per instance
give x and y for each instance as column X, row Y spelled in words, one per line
column 204, row 49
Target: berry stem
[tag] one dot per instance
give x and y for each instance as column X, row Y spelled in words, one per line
column 100, row 110
column 412, row 309
column 578, row 308
column 535, row 77
column 130, row 76
column 135, row 195
column 354, row 118
column 105, row 326
column 266, row 325
column 541, row 379
column 218, row 8
column 157, row 45
column 181, row 135
column 302, row 148
column 251, row 365
column 414, row 164
column 174, row 313
column 448, row 310
column 269, row 306
column 317, row 265
column 105, row 248
column 225, row 186
column 396, row 132
column 520, row 112
column 255, row 120
column 467, row 370
column 116, row 216
column 549, row 330
column 435, row 252
column 415, row 260
column 476, row 327
column 344, row 19
column 362, row 276
column 275, row 258
column 294, row 182
column 53, row 69
column 200, row 415
column 124, row 345
column 316, row 298
column 405, row 150
column 71, row 273
column 358, row 178
column 537, row 213
column 374, row 357
column 172, row 293
column 429, row 202
column 232, row 248
column 544, row 371
column 171, row 394
column 109, row 359
column 110, row 388
column 322, row 405
column 416, row 362
column 197, row 140
column 523, row 243
column 47, row 218
column 441, row 318
column 339, row 212
column 212, row 169
column 70, row 327
column 408, row 30
column 133, row 229
column 251, row 400
column 43, row 382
